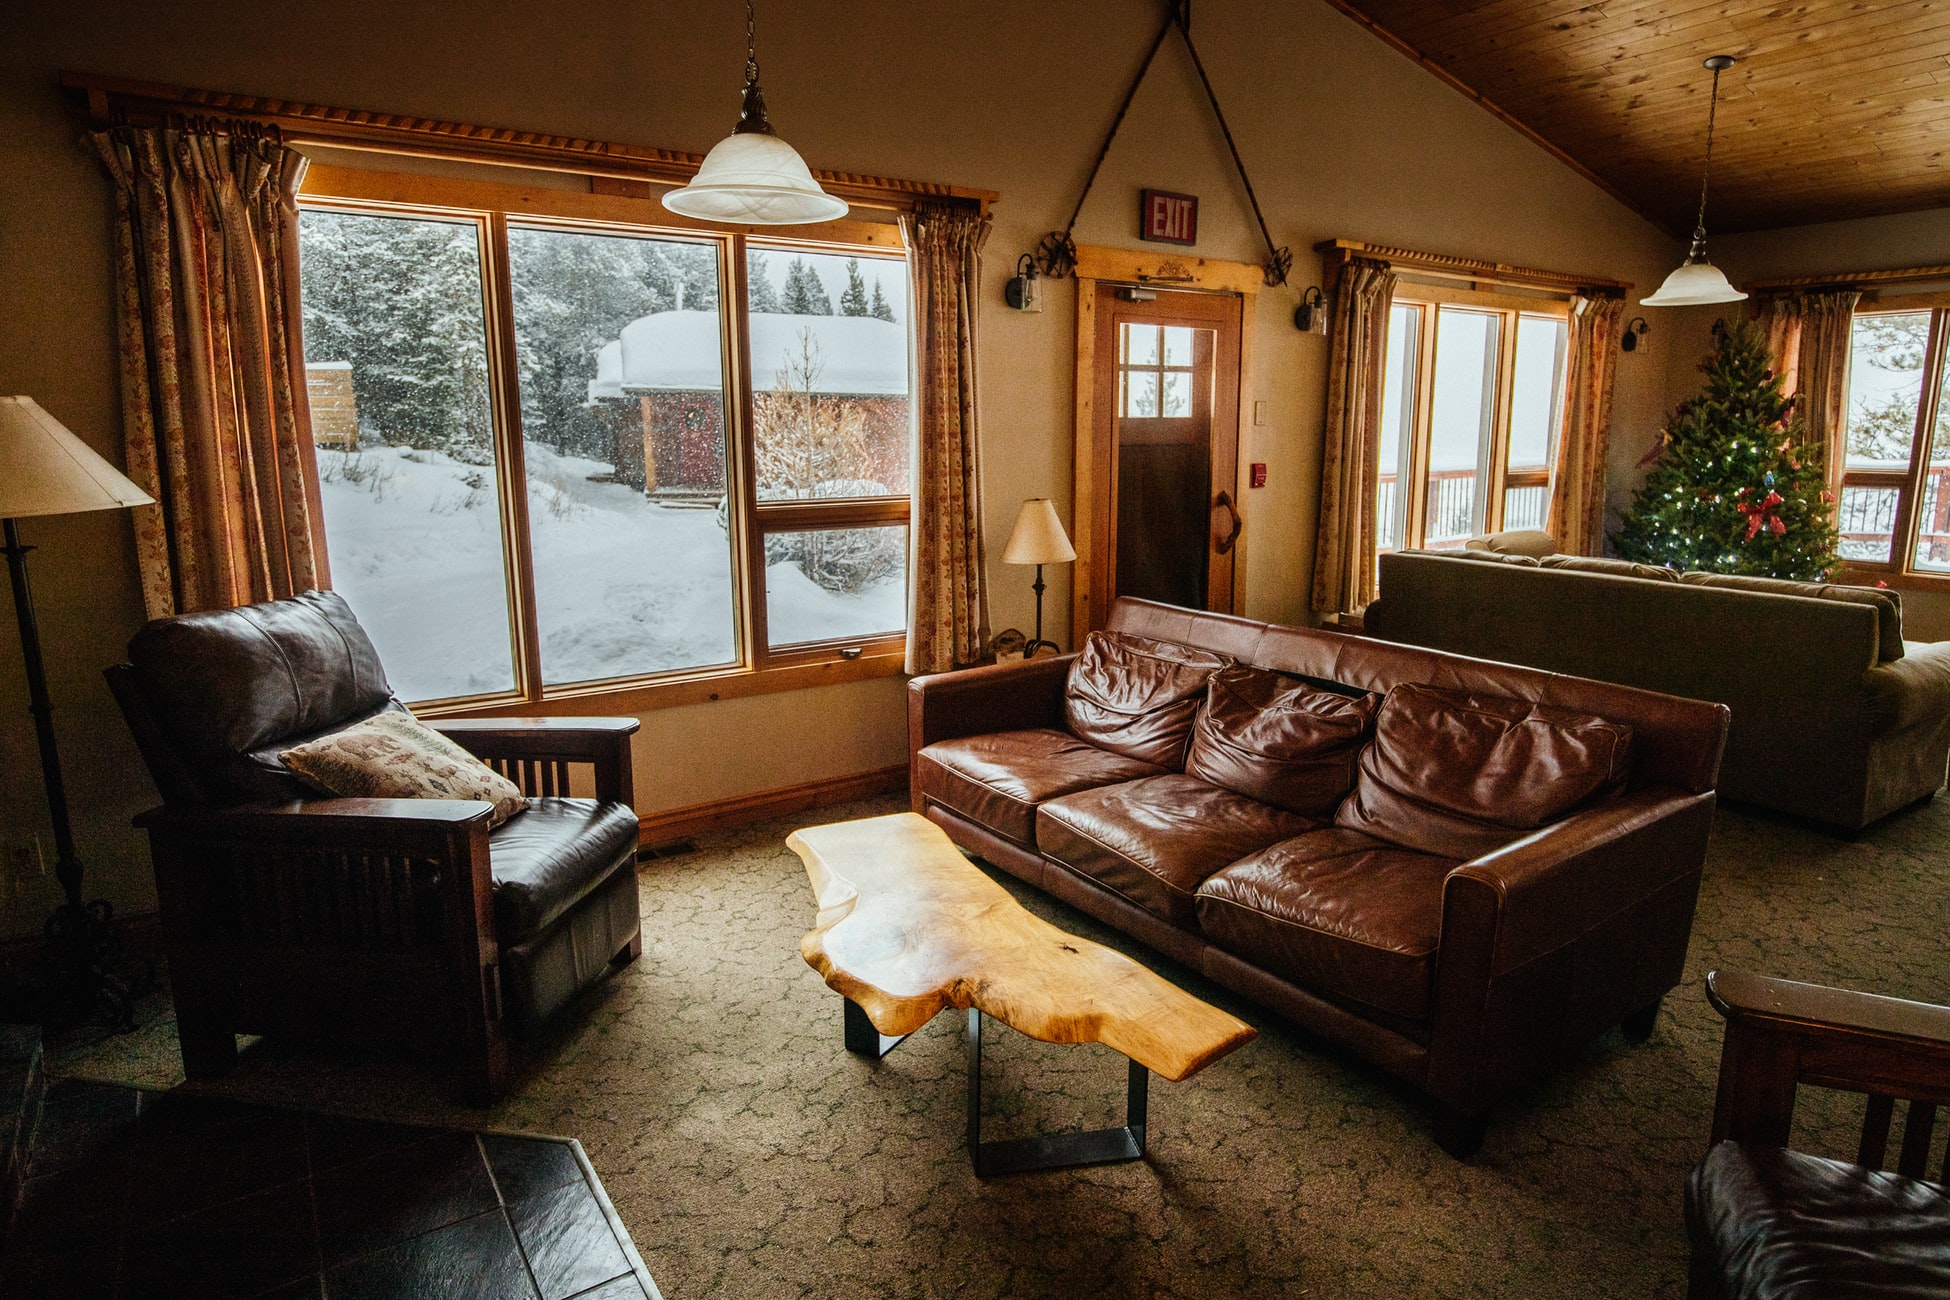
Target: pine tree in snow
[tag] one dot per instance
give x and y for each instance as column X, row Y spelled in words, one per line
column 881, row 309
column 853, row 302
column 762, row 293
column 804, row 294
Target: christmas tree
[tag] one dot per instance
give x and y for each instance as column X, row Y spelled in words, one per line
column 1735, row 488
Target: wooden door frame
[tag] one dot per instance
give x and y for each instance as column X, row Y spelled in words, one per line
column 1100, row 269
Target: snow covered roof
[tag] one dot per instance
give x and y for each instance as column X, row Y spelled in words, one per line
column 678, row 351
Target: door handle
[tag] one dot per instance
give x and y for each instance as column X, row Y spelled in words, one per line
column 1224, row 544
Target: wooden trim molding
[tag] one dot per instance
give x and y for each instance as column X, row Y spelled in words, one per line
column 1333, row 252
column 113, row 99
column 1854, row 280
column 1168, row 270
column 719, row 814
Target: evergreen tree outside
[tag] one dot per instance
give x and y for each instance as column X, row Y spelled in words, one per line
column 1735, row 488
column 761, row 292
column 853, row 302
column 804, row 295
column 881, row 309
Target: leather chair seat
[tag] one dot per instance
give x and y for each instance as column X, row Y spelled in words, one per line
column 1791, row 1226
column 1336, row 910
column 548, row 859
column 1155, row 841
column 1000, row 780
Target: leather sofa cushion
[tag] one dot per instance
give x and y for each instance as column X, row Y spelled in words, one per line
column 1334, row 910
column 1786, row 1224
column 1279, row 740
column 999, row 779
column 1137, row 697
column 548, row 859
column 1610, row 567
column 1155, row 841
column 226, row 682
column 1886, row 602
column 1461, row 774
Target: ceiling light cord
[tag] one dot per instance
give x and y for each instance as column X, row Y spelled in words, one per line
column 751, row 61
column 1706, row 172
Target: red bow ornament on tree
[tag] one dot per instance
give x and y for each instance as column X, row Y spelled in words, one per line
column 1761, row 512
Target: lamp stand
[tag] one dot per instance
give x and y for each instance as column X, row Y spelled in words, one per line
column 86, row 974
column 1029, row 651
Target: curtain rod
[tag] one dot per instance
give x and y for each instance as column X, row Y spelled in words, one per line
column 1853, row 280
column 1336, row 251
column 114, row 99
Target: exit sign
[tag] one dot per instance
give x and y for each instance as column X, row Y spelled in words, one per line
column 1168, row 218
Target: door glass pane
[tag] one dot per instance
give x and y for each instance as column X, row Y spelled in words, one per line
column 830, row 404
column 1164, row 466
column 1178, row 345
column 1177, row 398
column 1141, row 394
column 1397, row 414
column 833, row 583
column 622, row 414
column 396, row 367
column 1885, row 382
column 1461, row 418
column 1536, row 414
column 1140, row 344
column 1933, row 527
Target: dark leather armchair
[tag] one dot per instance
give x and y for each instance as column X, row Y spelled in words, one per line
column 365, row 921
column 1768, row 1222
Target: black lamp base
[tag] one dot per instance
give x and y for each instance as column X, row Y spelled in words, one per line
column 86, row 975
column 1029, row 650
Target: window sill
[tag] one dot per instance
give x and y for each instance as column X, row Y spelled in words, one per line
column 1868, row 575
column 699, row 688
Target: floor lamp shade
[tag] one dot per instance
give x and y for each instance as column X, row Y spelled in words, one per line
column 1038, row 537
column 46, row 470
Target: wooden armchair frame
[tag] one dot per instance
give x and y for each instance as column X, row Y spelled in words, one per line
column 361, row 919
column 1782, row 1034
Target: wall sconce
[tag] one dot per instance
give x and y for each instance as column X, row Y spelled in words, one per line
column 1635, row 329
column 1023, row 292
column 1310, row 317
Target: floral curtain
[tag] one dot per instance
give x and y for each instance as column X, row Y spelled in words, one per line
column 1809, row 336
column 948, row 610
column 1577, row 507
column 1344, row 554
column 212, row 357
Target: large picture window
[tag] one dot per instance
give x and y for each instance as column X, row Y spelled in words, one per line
column 563, row 455
column 1894, row 511
column 1472, row 401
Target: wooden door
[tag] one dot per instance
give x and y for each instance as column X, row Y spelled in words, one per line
column 1163, row 512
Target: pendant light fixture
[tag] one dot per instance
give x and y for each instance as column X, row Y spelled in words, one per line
column 751, row 177
column 1697, row 281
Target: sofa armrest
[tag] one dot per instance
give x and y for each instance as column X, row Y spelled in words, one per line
column 534, row 752
column 995, row 697
column 1781, row 1033
column 1903, row 692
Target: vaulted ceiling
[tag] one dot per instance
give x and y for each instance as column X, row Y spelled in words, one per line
column 1836, row 108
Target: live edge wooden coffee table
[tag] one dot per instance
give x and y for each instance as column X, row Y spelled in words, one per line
column 908, row 926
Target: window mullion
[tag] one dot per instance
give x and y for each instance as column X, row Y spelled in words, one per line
column 504, row 382
column 1494, row 459
column 1909, row 506
column 741, row 463
column 1422, row 424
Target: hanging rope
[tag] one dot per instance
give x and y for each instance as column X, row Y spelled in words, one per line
column 1056, row 256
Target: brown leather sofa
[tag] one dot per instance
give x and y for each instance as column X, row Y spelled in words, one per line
column 1836, row 718
column 1462, row 871
column 364, row 920
column 1771, row 1223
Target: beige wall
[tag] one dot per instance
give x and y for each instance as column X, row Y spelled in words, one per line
column 1344, row 138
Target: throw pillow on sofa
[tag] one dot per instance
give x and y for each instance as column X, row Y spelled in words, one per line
column 393, row 755
column 1138, row 697
column 1278, row 740
column 1463, row 774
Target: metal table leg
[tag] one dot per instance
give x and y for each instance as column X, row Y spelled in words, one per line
column 1052, row 1150
column 862, row 1039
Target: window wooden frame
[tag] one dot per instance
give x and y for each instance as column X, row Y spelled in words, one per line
column 1493, row 454
column 614, row 209
column 1899, row 569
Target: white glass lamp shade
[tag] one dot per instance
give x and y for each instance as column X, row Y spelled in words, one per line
column 754, row 178
column 1038, row 537
column 46, row 470
column 1694, row 284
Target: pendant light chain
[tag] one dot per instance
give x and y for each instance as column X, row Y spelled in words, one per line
column 1706, row 172
column 751, row 51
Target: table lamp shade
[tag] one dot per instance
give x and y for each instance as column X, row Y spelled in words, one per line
column 1038, row 537
column 46, row 470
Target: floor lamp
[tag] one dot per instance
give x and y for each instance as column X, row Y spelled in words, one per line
column 1038, row 539
column 46, row 470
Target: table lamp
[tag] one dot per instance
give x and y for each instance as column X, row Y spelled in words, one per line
column 46, row 470
column 1038, row 539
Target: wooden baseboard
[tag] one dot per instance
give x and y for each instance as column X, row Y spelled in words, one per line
column 678, row 823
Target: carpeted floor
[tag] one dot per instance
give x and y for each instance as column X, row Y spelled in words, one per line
column 751, row 1157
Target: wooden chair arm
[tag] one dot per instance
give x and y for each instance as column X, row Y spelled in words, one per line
column 533, row 751
column 1782, row 1033
column 348, row 824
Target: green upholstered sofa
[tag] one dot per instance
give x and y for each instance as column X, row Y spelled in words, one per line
column 1835, row 717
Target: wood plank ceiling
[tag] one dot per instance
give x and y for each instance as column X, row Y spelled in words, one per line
column 1837, row 108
